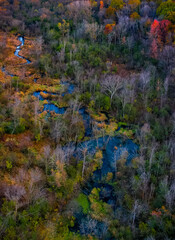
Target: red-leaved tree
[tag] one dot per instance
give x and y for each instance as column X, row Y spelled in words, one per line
column 158, row 33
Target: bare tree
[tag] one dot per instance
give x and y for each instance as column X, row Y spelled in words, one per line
column 90, row 226
column 84, row 151
column 75, row 106
column 62, row 155
column 15, row 193
column 135, row 211
column 57, row 129
column 38, row 44
column 33, row 180
column 35, row 187
column 111, row 84
column 170, row 195
column 59, row 155
column 153, row 149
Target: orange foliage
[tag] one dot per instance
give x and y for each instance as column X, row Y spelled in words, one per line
column 16, row 4
column 44, row 95
column 156, row 213
column 101, row 4
column 9, row 42
column 60, row 174
column 21, row 140
column 109, row 28
column 3, row 6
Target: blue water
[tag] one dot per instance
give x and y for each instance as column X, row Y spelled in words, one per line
column 70, row 88
column 16, row 53
column 37, row 94
column 110, row 154
column 18, row 49
column 87, row 122
column 113, row 148
column 52, row 108
column 7, row 73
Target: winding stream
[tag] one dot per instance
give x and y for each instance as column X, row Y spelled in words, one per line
column 18, row 49
column 112, row 147
column 16, row 53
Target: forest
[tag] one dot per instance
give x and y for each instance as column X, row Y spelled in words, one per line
column 87, row 119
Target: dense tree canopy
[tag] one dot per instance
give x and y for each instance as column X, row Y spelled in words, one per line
column 87, row 121
column 167, row 10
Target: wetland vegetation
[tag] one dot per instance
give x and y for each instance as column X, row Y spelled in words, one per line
column 87, row 121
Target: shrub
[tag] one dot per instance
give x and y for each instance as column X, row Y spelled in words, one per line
column 102, row 102
column 83, row 202
column 117, row 4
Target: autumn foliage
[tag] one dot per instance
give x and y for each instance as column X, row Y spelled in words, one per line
column 156, row 213
column 134, row 3
column 167, row 9
column 135, row 16
column 159, row 32
column 3, row 6
column 87, row 133
column 109, row 28
column 117, row 4
column 110, row 11
column 101, row 4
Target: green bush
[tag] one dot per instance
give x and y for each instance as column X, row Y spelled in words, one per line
column 85, row 98
column 83, row 202
column 102, row 102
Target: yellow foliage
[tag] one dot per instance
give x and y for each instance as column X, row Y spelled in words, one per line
column 134, row 3
column 117, row 4
column 63, row 27
column 99, row 117
column 109, row 176
column 93, row 3
column 60, row 174
column 111, row 128
column 99, row 155
column 126, row 132
column 44, row 95
column 60, row 5
column 101, row 125
column 135, row 16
